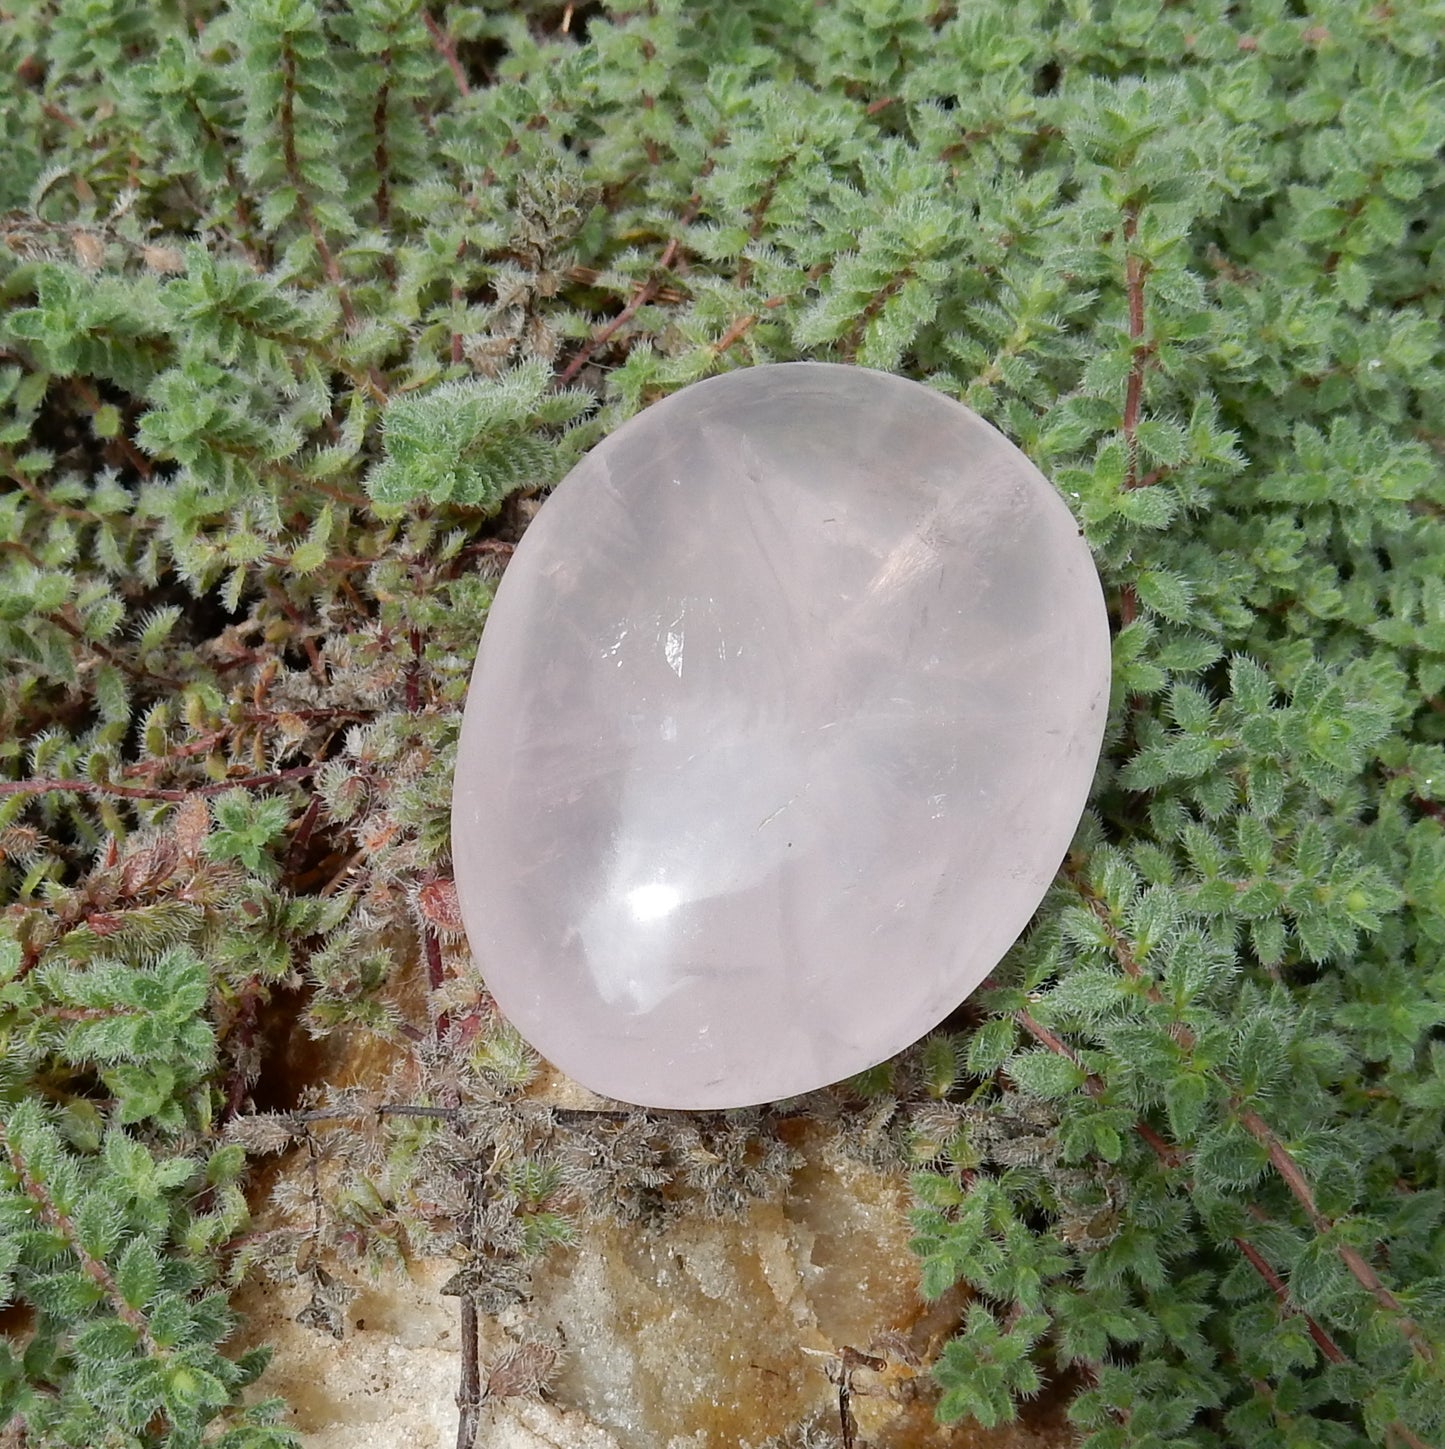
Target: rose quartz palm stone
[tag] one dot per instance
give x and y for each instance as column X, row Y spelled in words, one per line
column 784, row 715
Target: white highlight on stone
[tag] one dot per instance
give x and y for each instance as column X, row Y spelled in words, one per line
column 653, row 902
column 787, row 707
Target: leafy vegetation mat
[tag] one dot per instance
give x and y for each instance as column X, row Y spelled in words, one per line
column 303, row 305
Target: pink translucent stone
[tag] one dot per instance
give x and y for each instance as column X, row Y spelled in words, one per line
column 783, row 718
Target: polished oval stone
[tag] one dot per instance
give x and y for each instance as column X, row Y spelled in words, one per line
column 783, row 717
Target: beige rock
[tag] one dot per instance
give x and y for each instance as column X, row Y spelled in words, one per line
column 700, row 1335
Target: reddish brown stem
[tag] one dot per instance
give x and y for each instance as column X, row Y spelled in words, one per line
column 436, row 976
column 639, row 299
column 296, row 852
column 89, row 1013
column 10, row 469
column 233, row 181
column 292, row 162
column 1283, row 1162
column 207, row 742
column 381, row 157
column 1135, row 270
column 644, row 294
column 1279, row 1155
column 447, row 48
column 147, row 792
column 243, row 1038
column 1407, row 1437
column 1056, row 1044
column 875, row 305
column 1352, row 212
column 93, row 403
column 736, row 332
column 1168, row 1155
column 202, row 746
column 1327, row 1346
column 496, row 546
column 25, row 552
column 92, row 1267
column 413, row 674
column 1172, row 1157
column 65, row 619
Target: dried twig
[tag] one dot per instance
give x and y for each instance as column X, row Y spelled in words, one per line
column 644, row 294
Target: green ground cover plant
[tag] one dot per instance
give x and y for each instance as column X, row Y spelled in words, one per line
column 303, row 305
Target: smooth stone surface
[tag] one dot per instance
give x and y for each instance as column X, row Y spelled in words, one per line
column 783, row 717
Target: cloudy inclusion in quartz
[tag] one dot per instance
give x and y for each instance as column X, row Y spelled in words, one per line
column 785, row 712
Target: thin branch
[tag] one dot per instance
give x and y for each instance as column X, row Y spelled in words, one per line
column 1093, row 1085
column 148, row 792
column 1326, row 1345
column 1135, row 270
column 293, row 175
column 469, row 1395
column 340, row 1114
column 639, row 299
column 1359, row 1268
column 208, row 742
column 93, row 403
column 876, row 303
column 736, row 332
column 296, row 851
column 382, row 157
column 65, row 619
column 241, row 1045
column 413, row 673
column 92, row 1267
column 1280, row 1157
column 1172, row 1157
column 448, row 50
column 436, row 976
column 25, row 552
column 498, row 546
column 1408, row 1437
column 10, row 469
column 202, row 746
column 233, row 181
